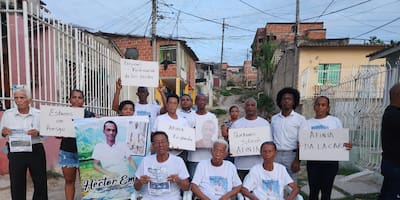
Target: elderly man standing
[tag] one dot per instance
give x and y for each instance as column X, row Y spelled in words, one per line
column 285, row 130
column 23, row 122
column 251, row 120
column 390, row 166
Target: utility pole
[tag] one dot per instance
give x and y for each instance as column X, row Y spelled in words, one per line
column 296, row 45
column 154, row 38
column 153, row 29
column 222, row 45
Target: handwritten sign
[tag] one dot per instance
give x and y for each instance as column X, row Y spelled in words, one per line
column 139, row 73
column 179, row 137
column 324, row 144
column 57, row 121
column 206, row 132
column 247, row 141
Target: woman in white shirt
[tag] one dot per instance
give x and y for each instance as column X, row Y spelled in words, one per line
column 321, row 174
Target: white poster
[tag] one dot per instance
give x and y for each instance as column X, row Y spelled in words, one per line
column 206, row 132
column 20, row 141
column 324, row 144
column 57, row 121
column 139, row 73
column 247, row 141
column 179, row 137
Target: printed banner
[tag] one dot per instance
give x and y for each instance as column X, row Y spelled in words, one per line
column 106, row 149
column 247, row 141
column 179, row 137
column 139, row 73
column 206, row 132
column 324, row 144
column 57, row 121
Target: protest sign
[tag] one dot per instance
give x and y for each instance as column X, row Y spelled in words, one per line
column 57, row 121
column 139, row 73
column 324, row 144
column 247, row 141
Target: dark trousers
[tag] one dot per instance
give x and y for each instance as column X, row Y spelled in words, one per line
column 19, row 163
column 391, row 181
column 321, row 175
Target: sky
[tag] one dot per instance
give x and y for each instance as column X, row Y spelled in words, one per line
column 199, row 22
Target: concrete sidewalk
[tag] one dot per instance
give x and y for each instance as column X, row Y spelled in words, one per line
column 362, row 185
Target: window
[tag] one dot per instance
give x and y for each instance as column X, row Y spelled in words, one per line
column 168, row 53
column 328, row 74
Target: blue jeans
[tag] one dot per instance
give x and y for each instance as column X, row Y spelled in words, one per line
column 68, row 159
column 391, row 182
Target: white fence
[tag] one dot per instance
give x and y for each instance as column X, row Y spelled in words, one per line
column 51, row 58
column 360, row 103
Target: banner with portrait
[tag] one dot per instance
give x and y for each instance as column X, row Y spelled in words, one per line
column 110, row 149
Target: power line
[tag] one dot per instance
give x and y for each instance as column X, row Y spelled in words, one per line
column 374, row 29
column 326, row 8
column 255, row 8
column 336, row 11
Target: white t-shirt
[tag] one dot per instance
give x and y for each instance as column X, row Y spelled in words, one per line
column 190, row 116
column 203, row 153
column 285, row 130
column 329, row 122
column 161, row 188
column 246, row 162
column 150, row 110
column 267, row 184
column 213, row 181
column 113, row 158
column 166, row 119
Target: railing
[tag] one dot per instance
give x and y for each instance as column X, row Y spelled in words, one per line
column 51, row 58
column 360, row 103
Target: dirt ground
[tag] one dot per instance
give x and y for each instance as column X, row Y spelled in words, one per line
column 55, row 184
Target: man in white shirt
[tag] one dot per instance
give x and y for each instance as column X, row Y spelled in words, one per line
column 285, row 130
column 250, row 120
column 111, row 158
column 186, row 110
column 194, row 157
column 171, row 117
column 142, row 108
column 161, row 175
column 24, row 121
column 216, row 178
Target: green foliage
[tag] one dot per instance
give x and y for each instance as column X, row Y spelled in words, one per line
column 375, row 40
column 264, row 60
column 225, row 92
column 265, row 103
column 218, row 112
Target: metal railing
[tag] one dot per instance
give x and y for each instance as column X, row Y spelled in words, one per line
column 360, row 103
column 51, row 58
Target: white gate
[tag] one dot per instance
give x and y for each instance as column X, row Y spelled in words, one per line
column 51, row 58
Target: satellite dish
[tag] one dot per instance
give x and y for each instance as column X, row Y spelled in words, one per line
column 132, row 53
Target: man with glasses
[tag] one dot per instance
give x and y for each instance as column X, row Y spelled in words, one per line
column 161, row 175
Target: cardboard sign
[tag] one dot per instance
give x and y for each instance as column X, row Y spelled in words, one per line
column 179, row 137
column 139, row 73
column 206, row 132
column 247, row 141
column 324, row 144
column 57, row 121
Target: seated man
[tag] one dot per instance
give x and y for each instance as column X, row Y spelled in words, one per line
column 268, row 179
column 162, row 174
column 216, row 178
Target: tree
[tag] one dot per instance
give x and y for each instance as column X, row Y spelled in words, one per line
column 264, row 62
column 375, row 40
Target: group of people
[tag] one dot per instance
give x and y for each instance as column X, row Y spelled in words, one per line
column 208, row 172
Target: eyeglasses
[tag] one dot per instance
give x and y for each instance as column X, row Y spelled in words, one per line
column 160, row 143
